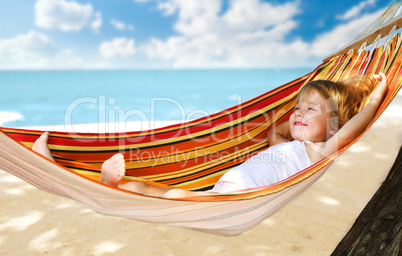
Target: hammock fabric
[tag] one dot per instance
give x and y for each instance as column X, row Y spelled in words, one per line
column 192, row 155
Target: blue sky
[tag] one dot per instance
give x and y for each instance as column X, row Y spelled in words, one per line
column 150, row 34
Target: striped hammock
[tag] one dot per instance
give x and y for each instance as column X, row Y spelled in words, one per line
column 192, row 155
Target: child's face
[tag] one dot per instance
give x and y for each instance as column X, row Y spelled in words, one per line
column 310, row 120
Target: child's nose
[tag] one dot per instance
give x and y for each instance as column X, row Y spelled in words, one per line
column 299, row 113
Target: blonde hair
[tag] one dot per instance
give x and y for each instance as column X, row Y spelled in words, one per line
column 345, row 98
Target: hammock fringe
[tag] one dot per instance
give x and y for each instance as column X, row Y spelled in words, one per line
column 382, row 26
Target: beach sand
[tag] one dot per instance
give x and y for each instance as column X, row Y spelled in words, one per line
column 33, row 222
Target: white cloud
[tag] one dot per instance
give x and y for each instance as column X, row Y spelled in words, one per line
column 121, row 47
column 121, row 25
column 35, row 50
column 66, row 58
column 97, row 23
column 61, row 14
column 253, row 15
column 189, row 8
column 330, row 41
column 31, row 49
column 250, row 33
column 203, row 17
column 355, row 10
column 118, row 25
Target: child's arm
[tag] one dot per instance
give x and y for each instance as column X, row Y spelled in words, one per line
column 356, row 125
column 279, row 134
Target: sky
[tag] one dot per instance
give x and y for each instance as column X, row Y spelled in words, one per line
column 177, row 34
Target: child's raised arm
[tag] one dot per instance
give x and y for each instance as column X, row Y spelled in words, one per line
column 356, row 125
column 279, row 134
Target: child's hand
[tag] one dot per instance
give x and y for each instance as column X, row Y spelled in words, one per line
column 382, row 88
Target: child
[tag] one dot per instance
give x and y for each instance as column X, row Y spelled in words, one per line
column 327, row 116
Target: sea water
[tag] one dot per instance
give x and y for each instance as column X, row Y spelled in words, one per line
column 39, row 98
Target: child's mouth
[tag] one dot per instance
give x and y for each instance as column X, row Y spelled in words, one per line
column 299, row 124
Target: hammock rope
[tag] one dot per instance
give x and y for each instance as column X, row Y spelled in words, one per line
column 392, row 16
column 191, row 155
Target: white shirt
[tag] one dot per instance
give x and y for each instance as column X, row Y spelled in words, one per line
column 270, row 166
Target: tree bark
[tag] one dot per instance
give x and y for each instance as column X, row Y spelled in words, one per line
column 378, row 229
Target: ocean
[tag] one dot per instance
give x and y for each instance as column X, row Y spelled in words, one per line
column 40, row 98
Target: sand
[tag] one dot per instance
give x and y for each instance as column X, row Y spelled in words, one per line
column 33, row 222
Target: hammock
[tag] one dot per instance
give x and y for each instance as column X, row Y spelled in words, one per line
column 193, row 155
